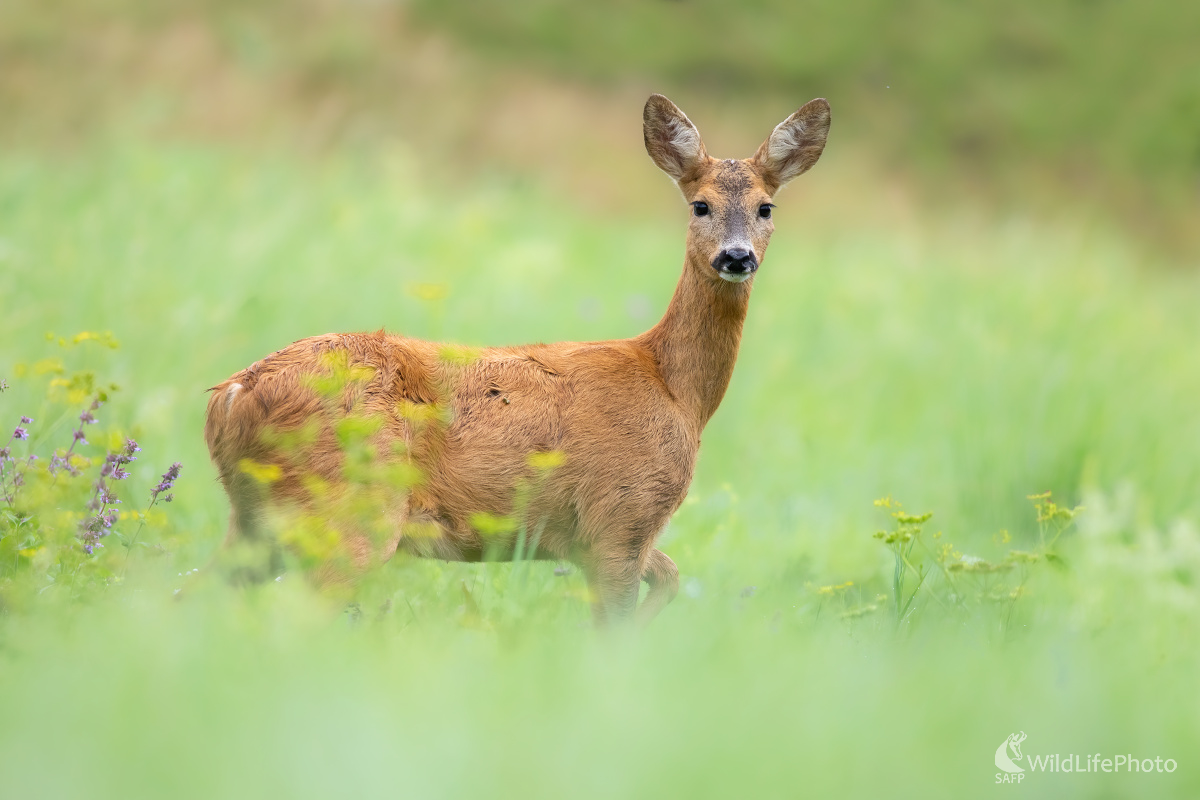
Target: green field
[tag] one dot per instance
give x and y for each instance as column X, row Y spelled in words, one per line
column 958, row 356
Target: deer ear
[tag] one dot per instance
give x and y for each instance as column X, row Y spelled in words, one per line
column 795, row 144
column 671, row 138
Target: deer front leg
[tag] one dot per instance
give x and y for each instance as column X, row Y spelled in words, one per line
column 662, row 576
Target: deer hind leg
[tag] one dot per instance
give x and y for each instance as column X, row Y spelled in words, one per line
column 249, row 554
column 263, row 525
column 661, row 574
column 613, row 576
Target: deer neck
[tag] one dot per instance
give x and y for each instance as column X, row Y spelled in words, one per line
column 696, row 342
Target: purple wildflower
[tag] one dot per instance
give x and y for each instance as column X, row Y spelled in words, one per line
column 59, row 463
column 112, row 466
column 103, row 516
column 26, row 420
column 17, row 480
column 20, row 433
column 114, row 462
column 168, row 480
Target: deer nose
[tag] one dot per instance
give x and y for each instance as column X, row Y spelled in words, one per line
column 735, row 261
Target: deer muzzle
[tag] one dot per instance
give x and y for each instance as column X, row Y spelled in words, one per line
column 735, row 264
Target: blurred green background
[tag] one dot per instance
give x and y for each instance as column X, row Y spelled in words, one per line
column 986, row 289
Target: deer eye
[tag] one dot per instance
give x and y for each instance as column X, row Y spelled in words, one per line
column 700, row 208
column 764, row 210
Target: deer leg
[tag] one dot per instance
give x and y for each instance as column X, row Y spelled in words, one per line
column 662, row 576
column 613, row 581
column 249, row 553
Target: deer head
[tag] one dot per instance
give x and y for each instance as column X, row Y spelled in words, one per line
column 731, row 200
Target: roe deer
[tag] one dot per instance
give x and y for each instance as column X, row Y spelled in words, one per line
column 624, row 417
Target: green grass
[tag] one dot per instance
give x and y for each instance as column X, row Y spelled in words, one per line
column 954, row 363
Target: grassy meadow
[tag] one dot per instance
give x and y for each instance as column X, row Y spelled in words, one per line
column 962, row 356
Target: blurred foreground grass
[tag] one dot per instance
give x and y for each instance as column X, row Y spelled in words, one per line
column 957, row 363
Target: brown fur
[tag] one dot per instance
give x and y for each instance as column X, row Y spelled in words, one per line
column 626, row 414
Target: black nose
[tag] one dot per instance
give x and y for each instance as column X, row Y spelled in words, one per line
column 736, row 260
